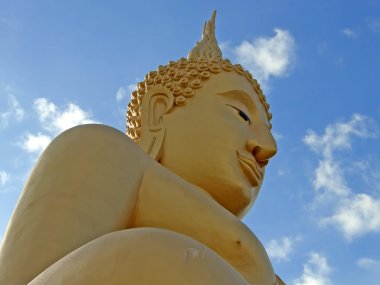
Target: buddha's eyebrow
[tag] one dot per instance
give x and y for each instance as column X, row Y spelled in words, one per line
column 242, row 97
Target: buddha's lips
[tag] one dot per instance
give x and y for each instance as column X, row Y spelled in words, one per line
column 251, row 169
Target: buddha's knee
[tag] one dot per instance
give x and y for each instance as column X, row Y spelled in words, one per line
column 141, row 256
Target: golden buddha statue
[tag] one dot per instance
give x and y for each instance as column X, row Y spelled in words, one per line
column 162, row 205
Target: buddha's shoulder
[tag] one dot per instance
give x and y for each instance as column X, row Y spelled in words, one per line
column 99, row 140
column 93, row 133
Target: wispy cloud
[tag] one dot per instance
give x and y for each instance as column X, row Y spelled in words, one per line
column 374, row 25
column 4, row 177
column 228, row 50
column 369, row 264
column 14, row 111
column 280, row 249
column 350, row 33
column 278, row 136
column 121, row 93
column 354, row 214
column 337, row 137
column 369, row 169
column 54, row 120
column 225, row 47
column 316, row 271
column 268, row 56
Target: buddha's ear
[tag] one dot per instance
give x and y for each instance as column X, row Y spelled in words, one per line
column 157, row 102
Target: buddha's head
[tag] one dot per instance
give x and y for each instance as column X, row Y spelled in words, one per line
column 207, row 120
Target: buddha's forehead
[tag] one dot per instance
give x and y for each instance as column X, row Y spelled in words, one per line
column 230, row 82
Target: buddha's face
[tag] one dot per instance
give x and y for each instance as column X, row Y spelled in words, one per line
column 221, row 141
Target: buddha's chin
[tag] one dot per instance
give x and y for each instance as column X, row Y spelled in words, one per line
column 245, row 196
column 229, row 186
column 255, row 192
column 240, row 197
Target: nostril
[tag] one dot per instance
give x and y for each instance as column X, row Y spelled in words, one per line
column 262, row 150
column 263, row 154
column 255, row 150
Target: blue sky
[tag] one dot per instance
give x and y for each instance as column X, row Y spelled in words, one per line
column 318, row 213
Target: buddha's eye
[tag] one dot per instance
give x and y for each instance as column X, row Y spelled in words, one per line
column 242, row 114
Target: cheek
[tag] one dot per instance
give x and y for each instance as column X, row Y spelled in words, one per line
column 235, row 125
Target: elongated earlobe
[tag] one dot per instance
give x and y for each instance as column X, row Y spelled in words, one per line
column 156, row 103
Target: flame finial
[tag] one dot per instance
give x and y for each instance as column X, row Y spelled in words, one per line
column 208, row 46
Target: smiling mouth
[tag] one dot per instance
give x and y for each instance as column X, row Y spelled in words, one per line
column 251, row 169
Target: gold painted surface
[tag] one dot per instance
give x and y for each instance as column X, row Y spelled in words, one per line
column 100, row 209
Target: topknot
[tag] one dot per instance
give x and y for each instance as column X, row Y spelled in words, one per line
column 208, row 46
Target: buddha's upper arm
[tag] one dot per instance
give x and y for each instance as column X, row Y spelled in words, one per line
column 84, row 185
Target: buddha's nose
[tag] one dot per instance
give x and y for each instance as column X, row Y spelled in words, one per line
column 262, row 144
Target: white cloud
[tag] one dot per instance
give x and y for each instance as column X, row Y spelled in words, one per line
column 329, row 175
column 4, row 177
column 280, row 249
column 329, row 178
column 266, row 57
column 369, row 264
column 356, row 216
column 349, row 33
column 339, row 136
column 55, row 120
column 14, row 111
column 35, row 143
column 353, row 214
column 316, row 271
column 44, row 108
